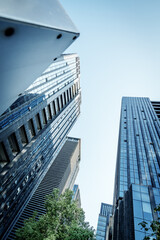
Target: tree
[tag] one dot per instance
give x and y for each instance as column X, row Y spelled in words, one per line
column 154, row 227
column 63, row 220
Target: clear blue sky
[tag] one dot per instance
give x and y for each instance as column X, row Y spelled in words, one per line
column 119, row 49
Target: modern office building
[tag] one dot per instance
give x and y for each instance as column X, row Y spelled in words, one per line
column 34, row 144
column 137, row 178
column 103, row 221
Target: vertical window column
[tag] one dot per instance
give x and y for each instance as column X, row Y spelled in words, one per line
column 38, row 122
column 44, row 116
column 32, row 127
column 13, row 144
column 68, row 97
column 57, row 104
column 23, row 135
column 61, row 100
column 64, row 97
column 54, row 108
column 27, row 132
column 49, row 112
column 3, row 153
column 8, row 149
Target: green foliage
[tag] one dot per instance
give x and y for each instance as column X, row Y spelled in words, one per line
column 63, row 221
column 154, row 227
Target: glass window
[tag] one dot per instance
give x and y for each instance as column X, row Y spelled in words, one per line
column 23, row 135
column 144, row 189
column 31, row 128
column 61, row 98
column 54, row 108
column 137, row 206
column 136, row 224
column 58, row 106
column 38, row 122
column 136, row 187
column 157, row 199
column 44, row 116
column 145, row 197
column 146, row 207
column 147, row 213
column 3, row 153
column 139, row 235
column 13, row 144
column 49, row 112
column 136, row 195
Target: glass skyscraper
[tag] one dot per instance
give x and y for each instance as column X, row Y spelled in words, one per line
column 137, row 178
column 34, row 143
column 103, row 221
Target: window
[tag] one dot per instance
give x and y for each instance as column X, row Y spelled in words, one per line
column 61, row 100
column 49, row 112
column 3, row 153
column 23, row 135
column 13, row 144
column 54, row 108
column 58, row 104
column 137, row 206
column 44, row 116
column 68, row 95
column 31, row 128
column 39, row 127
column 65, row 98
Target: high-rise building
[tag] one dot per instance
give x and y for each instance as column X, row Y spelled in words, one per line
column 137, row 178
column 34, row 144
column 103, row 221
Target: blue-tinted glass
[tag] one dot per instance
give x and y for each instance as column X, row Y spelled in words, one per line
column 101, row 218
column 136, row 224
column 139, row 235
column 136, row 187
column 144, row 189
column 145, row 197
column 147, row 216
column 101, row 233
column 146, row 207
column 156, row 191
column 137, row 206
column 102, row 223
column 136, row 195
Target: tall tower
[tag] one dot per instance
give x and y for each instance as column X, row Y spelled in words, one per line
column 137, row 178
column 103, row 221
column 34, row 144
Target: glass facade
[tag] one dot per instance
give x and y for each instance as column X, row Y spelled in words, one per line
column 103, row 221
column 137, row 179
column 33, row 131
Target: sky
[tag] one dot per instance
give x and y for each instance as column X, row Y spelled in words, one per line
column 119, row 50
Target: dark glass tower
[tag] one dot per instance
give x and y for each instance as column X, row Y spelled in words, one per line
column 137, row 179
column 103, row 221
column 34, row 145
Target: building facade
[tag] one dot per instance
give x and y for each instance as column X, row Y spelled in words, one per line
column 103, row 221
column 137, row 178
column 76, row 194
column 33, row 130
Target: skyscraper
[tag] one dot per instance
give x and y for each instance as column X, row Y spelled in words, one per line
column 33, row 140
column 137, row 178
column 103, row 221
